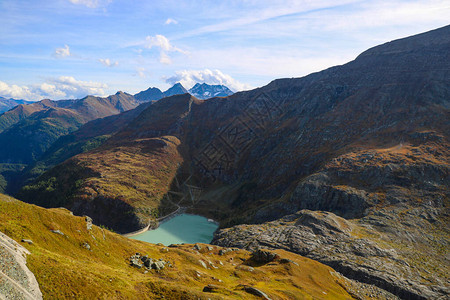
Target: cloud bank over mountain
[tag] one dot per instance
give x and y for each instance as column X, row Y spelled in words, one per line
column 63, row 87
column 188, row 78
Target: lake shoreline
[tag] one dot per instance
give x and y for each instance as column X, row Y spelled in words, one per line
column 161, row 220
column 179, row 228
column 133, row 233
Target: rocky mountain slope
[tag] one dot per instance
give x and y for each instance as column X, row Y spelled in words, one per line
column 206, row 91
column 176, row 89
column 152, row 93
column 364, row 144
column 200, row 91
column 72, row 258
column 16, row 280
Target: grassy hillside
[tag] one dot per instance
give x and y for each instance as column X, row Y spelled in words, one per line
column 65, row 268
column 21, row 112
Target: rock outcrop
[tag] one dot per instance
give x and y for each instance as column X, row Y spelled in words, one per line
column 263, row 256
column 16, row 280
column 395, row 260
column 139, row 261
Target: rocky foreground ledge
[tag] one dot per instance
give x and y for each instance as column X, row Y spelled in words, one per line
column 16, row 280
column 361, row 250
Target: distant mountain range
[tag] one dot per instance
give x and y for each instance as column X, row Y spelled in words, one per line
column 153, row 93
column 28, row 130
column 7, row 104
column 201, row 91
column 23, row 152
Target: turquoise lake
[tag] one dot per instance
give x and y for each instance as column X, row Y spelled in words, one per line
column 183, row 228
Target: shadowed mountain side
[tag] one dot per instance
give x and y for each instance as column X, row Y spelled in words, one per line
column 275, row 136
column 149, row 94
column 176, row 89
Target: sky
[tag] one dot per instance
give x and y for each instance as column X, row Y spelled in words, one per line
column 66, row 49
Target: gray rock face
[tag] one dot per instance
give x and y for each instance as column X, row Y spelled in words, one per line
column 206, row 91
column 88, row 222
column 353, row 248
column 263, row 256
column 212, row 288
column 143, row 261
column 57, row 231
column 203, row 264
column 255, row 291
column 16, row 280
column 158, row 265
column 136, row 262
column 224, row 251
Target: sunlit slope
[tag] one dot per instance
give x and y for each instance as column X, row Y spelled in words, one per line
column 66, row 267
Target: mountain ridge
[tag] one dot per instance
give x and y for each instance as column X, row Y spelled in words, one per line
column 204, row 91
column 199, row 90
column 9, row 103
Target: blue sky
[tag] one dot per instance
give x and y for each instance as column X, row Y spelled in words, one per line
column 62, row 49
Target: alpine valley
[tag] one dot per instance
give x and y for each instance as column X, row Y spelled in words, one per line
column 334, row 185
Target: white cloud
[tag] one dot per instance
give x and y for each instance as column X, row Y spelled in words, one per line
column 256, row 12
column 189, row 78
column 141, row 72
column 108, row 63
column 16, row 92
column 91, row 3
column 62, row 52
column 160, row 41
column 164, row 58
column 163, row 44
column 63, row 87
column 269, row 63
column 69, row 87
column 51, row 89
column 170, row 21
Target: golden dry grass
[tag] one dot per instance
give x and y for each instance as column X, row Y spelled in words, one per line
column 65, row 269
